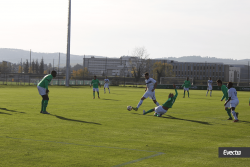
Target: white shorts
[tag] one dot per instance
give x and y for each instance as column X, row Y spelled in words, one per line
column 228, row 104
column 41, row 90
column 106, row 85
column 186, row 89
column 95, row 89
column 160, row 110
column 233, row 103
column 150, row 94
column 209, row 88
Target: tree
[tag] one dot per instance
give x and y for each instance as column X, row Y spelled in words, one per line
column 162, row 70
column 80, row 73
column 41, row 67
column 138, row 62
column 37, row 67
column 20, row 69
column 26, row 67
column 33, row 66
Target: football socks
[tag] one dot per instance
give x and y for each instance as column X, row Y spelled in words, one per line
column 149, row 111
column 140, row 103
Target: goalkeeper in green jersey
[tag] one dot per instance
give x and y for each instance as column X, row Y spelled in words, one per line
column 186, row 86
column 95, row 82
column 162, row 109
column 224, row 89
column 43, row 90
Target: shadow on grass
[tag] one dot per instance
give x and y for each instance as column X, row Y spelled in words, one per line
column 244, row 121
column 201, row 122
column 5, row 109
column 74, row 120
column 171, row 117
column 5, row 113
column 110, row 99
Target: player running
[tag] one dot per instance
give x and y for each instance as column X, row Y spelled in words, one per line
column 209, row 86
column 186, row 86
column 232, row 100
column 160, row 110
column 43, row 90
column 150, row 91
column 225, row 96
column 95, row 82
column 106, row 84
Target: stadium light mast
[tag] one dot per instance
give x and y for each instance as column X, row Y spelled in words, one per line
column 68, row 47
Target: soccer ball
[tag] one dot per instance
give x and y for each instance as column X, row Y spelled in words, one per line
column 129, row 108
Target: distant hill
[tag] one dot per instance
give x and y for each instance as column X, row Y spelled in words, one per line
column 15, row 55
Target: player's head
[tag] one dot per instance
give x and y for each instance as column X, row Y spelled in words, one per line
column 209, row 78
column 146, row 75
column 229, row 85
column 106, row 77
column 170, row 95
column 53, row 73
column 187, row 78
column 94, row 77
column 219, row 82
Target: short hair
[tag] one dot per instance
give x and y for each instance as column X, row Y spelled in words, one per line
column 146, row 73
column 94, row 75
column 53, row 72
column 230, row 83
column 219, row 81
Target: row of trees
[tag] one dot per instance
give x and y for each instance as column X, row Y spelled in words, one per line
column 35, row 67
column 76, row 74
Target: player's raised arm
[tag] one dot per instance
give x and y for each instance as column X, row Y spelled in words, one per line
column 176, row 93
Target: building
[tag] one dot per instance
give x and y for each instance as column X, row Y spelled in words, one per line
column 122, row 67
column 234, row 74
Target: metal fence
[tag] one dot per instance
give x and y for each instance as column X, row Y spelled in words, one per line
column 34, row 79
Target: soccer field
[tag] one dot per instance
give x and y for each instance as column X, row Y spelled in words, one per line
column 82, row 131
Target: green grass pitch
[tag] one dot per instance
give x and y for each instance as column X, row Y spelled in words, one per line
column 82, row 131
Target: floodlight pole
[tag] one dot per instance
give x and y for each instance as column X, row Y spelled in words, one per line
column 248, row 74
column 68, row 47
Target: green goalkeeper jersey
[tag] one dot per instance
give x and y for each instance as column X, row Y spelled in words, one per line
column 169, row 103
column 44, row 83
column 186, row 84
column 225, row 92
column 95, row 83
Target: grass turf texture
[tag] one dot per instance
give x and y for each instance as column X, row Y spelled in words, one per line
column 82, row 131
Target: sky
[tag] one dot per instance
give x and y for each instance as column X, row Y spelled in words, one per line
column 113, row 28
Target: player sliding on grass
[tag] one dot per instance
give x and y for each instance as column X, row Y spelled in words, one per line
column 186, row 86
column 209, row 86
column 95, row 83
column 232, row 100
column 106, row 84
column 150, row 91
column 43, row 90
column 225, row 96
column 160, row 110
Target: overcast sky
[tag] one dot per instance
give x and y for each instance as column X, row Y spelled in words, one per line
column 166, row 28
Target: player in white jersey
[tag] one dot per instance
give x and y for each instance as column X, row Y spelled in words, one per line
column 209, row 86
column 106, row 84
column 149, row 91
column 233, row 100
